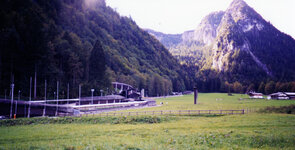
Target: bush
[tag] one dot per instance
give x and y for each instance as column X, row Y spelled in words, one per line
column 87, row 120
column 283, row 109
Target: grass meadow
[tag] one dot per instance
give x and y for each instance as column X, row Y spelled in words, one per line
column 250, row 131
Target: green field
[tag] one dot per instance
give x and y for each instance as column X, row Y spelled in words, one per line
column 215, row 101
column 249, row 131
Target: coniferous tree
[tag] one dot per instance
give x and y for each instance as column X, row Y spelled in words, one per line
column 261, row 87
column 269, row 87
column 97, row 66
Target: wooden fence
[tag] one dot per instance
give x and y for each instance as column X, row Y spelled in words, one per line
column 168, row 112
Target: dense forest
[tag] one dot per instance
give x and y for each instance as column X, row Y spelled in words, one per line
column 79, row 42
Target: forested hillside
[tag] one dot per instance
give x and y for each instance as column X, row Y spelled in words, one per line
column 80, row 42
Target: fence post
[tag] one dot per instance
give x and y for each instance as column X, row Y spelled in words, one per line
column 243, row 111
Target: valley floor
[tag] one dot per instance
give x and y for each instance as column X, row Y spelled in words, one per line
column 250, row 131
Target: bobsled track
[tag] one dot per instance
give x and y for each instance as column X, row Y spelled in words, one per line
column 70, row 107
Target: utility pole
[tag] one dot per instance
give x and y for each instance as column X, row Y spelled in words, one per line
column 195, row 95
column 11, row 106
column 16, row 102
column 19, row 94
column 12, row 81
column 68, row 97
column 30, row 98
column 35, row 85
column 25, row 110
column 5, row 93
column 45, row 94
column 68, row 93
column 101, row 92
column 56, row 98
column 79, row 94
column 92, row 90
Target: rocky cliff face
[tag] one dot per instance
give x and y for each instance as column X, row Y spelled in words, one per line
column 238, row 19
column 239, row 43
column 243, row 29
column 207, row 30
column 204, row 34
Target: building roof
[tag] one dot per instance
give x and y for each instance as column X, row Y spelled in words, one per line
column 290, row 93
column 254, row 93
column 278, row 94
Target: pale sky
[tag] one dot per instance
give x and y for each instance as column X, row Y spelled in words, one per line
column 177, row 16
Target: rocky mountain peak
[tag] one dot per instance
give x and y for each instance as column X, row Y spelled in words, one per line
column 93, row 4
column 238, row 3
column 206, row 31
column 213, row 18
column 241, row 11
column 237, row 6
column 239, row 26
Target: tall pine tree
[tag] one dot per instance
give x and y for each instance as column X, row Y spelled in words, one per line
column 97, row 66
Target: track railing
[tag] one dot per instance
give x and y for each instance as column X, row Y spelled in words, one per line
column 168, row 112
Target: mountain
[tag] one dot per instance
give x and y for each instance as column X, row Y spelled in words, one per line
column 204, row 34
column 80, row 42
column 238, row 45
column 168, row 40
column 246, row 42
column 191, row 46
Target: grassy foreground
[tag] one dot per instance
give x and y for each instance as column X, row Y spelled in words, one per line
column 249, row 131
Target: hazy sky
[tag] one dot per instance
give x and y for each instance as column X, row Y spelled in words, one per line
column 177, row 16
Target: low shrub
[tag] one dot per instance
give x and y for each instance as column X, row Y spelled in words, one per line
column 87, row 120
column 283, row 109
